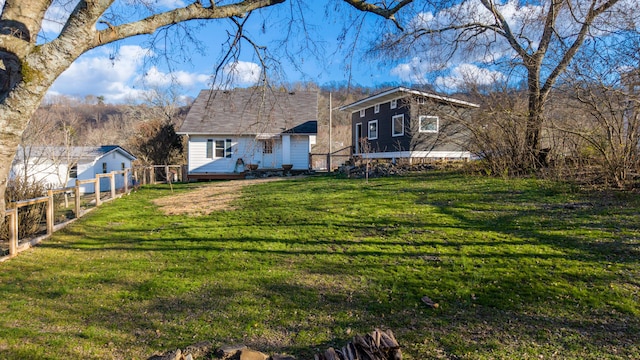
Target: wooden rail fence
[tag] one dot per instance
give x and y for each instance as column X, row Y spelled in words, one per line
column 12, row 212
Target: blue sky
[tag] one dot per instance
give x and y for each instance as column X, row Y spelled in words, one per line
column 125, row 71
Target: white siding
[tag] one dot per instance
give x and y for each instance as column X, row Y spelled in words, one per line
column 45, row 172
column 244, row 148
column 89, row 169
column 300, row 152
column 54, row 175
column 249, row 150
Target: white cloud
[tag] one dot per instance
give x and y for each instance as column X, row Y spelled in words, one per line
column 465, row 74
column 242, row 73
column 414, row 71
column 157, row 79
column 170, row 3
column 119, row 78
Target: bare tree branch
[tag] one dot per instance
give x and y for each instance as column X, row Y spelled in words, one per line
column 385, row 12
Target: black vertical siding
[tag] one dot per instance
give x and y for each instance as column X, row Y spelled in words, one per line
column 385, row 142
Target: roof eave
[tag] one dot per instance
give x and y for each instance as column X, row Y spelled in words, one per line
column 358, row 105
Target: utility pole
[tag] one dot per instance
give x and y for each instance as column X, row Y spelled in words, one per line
column 330, row 134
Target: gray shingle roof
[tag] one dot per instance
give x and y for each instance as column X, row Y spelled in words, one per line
column 249, row 112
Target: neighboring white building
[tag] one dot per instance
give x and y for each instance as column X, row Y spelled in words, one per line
column 228, row 130
column 59, row 167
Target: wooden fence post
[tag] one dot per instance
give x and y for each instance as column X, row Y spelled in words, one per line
column 126, row 180
column 13, row 232
column 112, row 178
column 50, row 208
column 96, row 187
column 152, row 179
column 77, row 193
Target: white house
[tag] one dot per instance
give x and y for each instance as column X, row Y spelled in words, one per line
column 230, row 130
column 59, row 167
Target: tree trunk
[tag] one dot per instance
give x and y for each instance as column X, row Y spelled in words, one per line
column 535, row 119
column 534, row 157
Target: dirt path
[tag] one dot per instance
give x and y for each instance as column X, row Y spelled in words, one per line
column 207, row 198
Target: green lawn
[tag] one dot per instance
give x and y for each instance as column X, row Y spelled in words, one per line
column 521, row 269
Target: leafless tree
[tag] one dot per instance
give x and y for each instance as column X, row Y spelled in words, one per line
column 536, row 41
column 604, row 97
column 436, row 125
column 31, row 64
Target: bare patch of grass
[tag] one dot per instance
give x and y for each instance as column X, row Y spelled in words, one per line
column 219, row 196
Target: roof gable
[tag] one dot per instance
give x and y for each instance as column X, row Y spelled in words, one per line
column 400, row 92
column 249, row 112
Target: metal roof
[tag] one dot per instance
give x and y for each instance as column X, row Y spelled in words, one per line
column 400, row 92
column 74, row 152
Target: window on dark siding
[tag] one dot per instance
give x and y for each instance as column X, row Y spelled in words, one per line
column 376, row 108
column 394, row 104
column 362, row 113
column 373, row 130
column 397, row 125
column 428, row 124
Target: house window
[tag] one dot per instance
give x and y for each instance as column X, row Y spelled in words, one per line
column 209, row 148
column 394, row 103
column 220, row 148
column 123, row 166
column 421, row 101
column 376, row 108
column 104, row 167
column 267, row 146
column 73, row 172
column 397, row 125
column 429, row 124
column 373, row 130
column 362, row 113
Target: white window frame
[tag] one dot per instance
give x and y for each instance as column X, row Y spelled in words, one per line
column 393, row 125
column 362, row 112
column 369, row 129
column 218, row 149
column 421, row 117
column 376, row 108
column 214, row 145
column 268, row 146
column 393, row 104
column 421, row 101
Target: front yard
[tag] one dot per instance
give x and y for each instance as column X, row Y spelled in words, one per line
column 520, row 269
